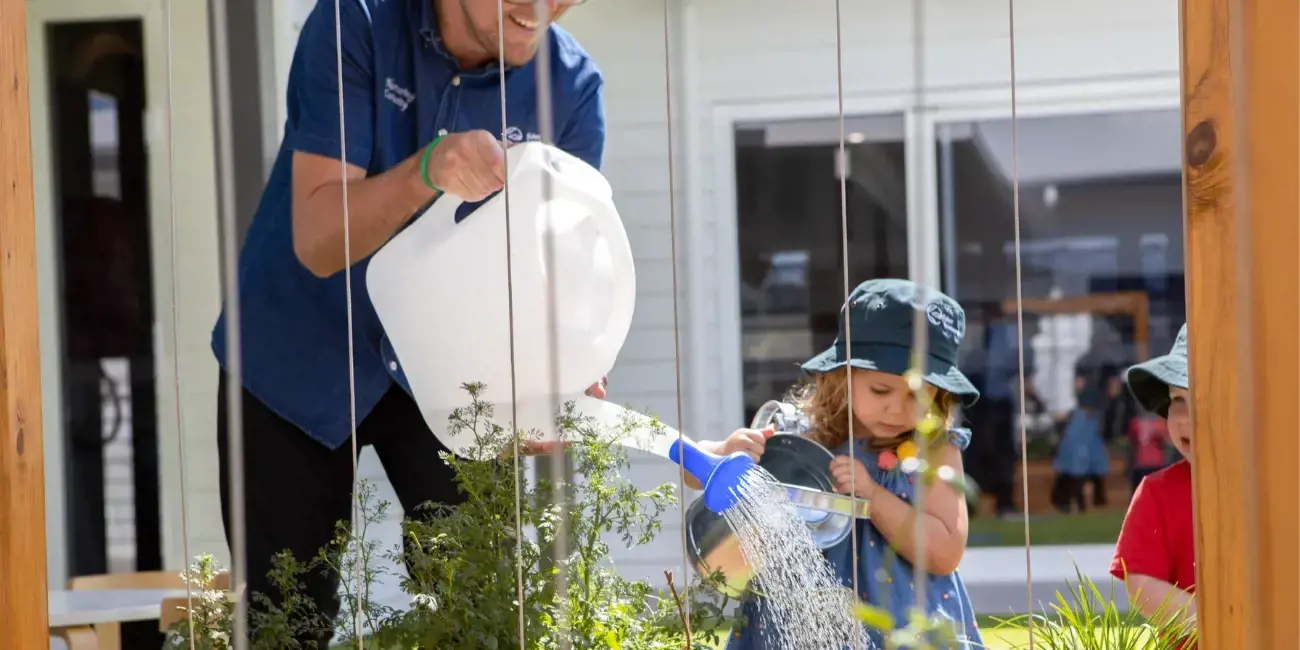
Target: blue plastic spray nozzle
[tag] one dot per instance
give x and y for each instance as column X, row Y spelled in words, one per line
column 720, row 475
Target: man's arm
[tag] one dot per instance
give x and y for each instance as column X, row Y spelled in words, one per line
column 324, row 158
column 377, row 208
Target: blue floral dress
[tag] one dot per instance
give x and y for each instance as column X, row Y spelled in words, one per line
column 884, row 578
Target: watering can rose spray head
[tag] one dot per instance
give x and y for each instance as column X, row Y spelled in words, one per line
column 720, row 475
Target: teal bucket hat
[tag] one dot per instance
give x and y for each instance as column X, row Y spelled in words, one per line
column 878, row 316
column 1149, row 382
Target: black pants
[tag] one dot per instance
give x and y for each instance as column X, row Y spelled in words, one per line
column 1067, row 491
column 1098, row 482
column 296, row 490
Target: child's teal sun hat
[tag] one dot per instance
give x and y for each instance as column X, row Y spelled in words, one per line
column 875, row 333
column 1150, row 381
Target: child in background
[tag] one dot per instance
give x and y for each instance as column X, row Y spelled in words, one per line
column 1156, row 553
column 1147, row 435
column 880, row 313
column 1081, row 456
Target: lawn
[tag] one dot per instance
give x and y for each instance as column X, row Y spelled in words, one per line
column 1100, row 527
column 1005, row 639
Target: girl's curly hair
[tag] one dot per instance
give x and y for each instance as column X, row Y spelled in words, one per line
column 825, row 400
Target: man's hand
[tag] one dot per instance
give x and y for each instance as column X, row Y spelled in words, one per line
column 597, row 389
column 531, row 448
column 470, row 165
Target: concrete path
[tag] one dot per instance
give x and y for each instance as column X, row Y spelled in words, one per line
column 995, row 577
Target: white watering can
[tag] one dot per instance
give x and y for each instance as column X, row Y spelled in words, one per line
column 443, row 295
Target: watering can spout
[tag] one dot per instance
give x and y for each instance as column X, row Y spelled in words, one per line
column 720, row 475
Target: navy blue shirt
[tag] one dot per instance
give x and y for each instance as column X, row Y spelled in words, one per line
column 401, row 89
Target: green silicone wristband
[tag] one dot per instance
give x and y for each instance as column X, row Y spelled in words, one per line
column 424, row 165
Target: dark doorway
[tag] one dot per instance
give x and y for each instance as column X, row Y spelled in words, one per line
column 101, row 205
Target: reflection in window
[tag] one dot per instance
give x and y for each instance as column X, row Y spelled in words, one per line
column 791, row 236
column 106, row 180
column 1100, row 217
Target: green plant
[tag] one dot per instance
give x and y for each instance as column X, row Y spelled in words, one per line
column 463, row 561
column 1083, row 619
column 210, row 611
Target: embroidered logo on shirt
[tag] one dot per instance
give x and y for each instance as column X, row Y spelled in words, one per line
column 399, row 96
column 516, row 134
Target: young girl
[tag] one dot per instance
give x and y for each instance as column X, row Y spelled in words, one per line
column 1156, row 553
column 879, row 314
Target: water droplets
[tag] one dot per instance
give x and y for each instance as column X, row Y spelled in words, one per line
column 804, row 605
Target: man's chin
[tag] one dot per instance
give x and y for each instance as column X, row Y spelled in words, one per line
column 520, row 54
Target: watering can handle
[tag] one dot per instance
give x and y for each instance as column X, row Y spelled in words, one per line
column 610, row 229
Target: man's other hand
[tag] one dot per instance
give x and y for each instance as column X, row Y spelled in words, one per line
column 597, row 389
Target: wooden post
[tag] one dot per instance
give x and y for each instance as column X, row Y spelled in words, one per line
column 1209, row 168
column 1240, row 152
column 1266, row 58
column 23, row 616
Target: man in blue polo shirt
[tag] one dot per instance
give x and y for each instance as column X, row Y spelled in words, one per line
column 420, row 84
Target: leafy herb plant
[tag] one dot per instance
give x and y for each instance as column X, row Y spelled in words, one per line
column 483, row 572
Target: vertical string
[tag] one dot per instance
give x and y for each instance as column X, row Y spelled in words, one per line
column 176, row 317
column 920, row 332
column 848, row 287
column 234, row 349
column 358, row 598
column 510, row 309
column 1020, row 320
column 677, row 337
column 559, row 458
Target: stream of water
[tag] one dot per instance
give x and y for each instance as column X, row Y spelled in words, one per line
column 805, row 606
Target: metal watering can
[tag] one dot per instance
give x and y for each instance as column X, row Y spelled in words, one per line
column 443, row 294
column 802, row 466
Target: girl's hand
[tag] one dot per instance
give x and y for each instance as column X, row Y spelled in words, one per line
column 851, row 477
column 751, row 441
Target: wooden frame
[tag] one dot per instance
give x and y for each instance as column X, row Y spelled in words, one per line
column 1131, row 303
column 23, row 614
column 1241, row 98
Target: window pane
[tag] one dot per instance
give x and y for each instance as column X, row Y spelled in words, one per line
column 1101, row 235
column 791, row 232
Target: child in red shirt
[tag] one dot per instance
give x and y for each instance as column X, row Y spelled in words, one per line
column 1155, row 555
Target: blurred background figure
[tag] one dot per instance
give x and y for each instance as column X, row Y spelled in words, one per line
column 1082, row 457
column 991, row 458
column 1148, row 438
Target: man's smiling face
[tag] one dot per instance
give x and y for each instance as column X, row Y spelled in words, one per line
column 523, row 27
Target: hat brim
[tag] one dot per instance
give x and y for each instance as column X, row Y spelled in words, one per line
column 1150, row 381
column 895, row 360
